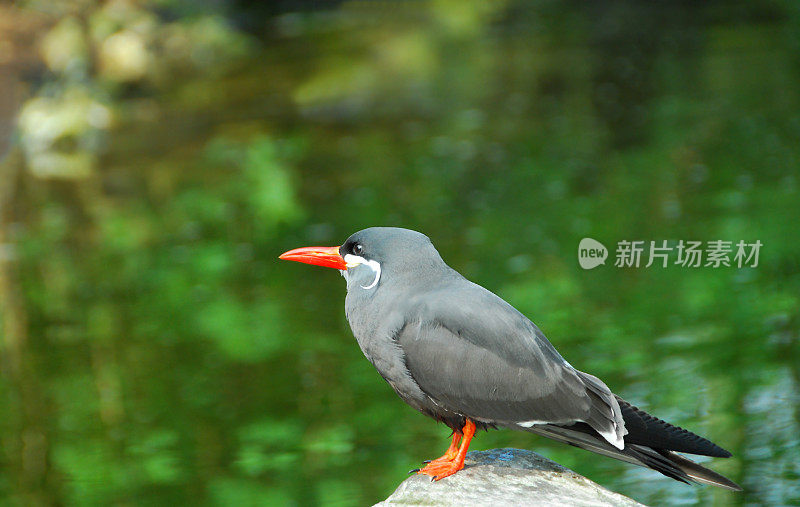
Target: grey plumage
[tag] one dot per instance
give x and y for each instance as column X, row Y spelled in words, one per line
column 454, row 350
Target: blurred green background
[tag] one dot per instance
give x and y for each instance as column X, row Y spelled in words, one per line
column 153, row 349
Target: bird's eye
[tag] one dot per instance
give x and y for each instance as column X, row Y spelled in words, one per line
column 358, row 249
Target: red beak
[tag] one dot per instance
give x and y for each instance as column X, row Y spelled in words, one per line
column 327, row 256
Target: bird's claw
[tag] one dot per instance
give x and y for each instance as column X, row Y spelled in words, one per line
column 438, row 470
column 413, row 471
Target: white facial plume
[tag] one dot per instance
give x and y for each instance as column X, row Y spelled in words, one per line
column 355, row 260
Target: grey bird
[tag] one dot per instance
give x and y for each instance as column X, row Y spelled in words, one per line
column 460, row 354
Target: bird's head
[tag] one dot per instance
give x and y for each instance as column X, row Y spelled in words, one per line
column 371, row 255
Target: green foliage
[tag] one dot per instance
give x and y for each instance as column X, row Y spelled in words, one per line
column 268, row 446
column 247, row 493
column 171, row 359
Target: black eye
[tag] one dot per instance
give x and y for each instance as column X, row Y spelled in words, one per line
column 357, row 249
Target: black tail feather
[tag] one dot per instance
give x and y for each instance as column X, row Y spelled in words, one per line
column 679, row 468
column 645, row 429
column 663, row 461
column 699, row 473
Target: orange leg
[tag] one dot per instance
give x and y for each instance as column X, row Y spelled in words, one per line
column 446, row 466
column 451, row 452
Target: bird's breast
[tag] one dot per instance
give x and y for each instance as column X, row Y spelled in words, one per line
column 375, row 324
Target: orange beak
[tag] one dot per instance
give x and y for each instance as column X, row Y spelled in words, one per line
column 327, row 256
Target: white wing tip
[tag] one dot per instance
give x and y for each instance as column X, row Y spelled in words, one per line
column 528, row 424
column 613, row 437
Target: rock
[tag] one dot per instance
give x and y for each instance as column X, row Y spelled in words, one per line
column 506, row 477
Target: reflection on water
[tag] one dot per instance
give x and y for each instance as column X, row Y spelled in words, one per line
column 154, row 350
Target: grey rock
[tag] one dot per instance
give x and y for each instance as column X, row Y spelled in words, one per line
column 506, row 477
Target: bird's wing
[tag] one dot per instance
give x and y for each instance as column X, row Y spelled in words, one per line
column 474, row 354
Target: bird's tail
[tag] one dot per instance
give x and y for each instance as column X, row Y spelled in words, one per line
column 651, row 443
column 699, row 473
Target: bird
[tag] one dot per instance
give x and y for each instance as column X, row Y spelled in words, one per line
column 462, row 355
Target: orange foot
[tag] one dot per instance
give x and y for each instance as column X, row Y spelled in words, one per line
column 453, row 459
column 438, row 470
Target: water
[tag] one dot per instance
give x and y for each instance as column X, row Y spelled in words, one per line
column 165, row 355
